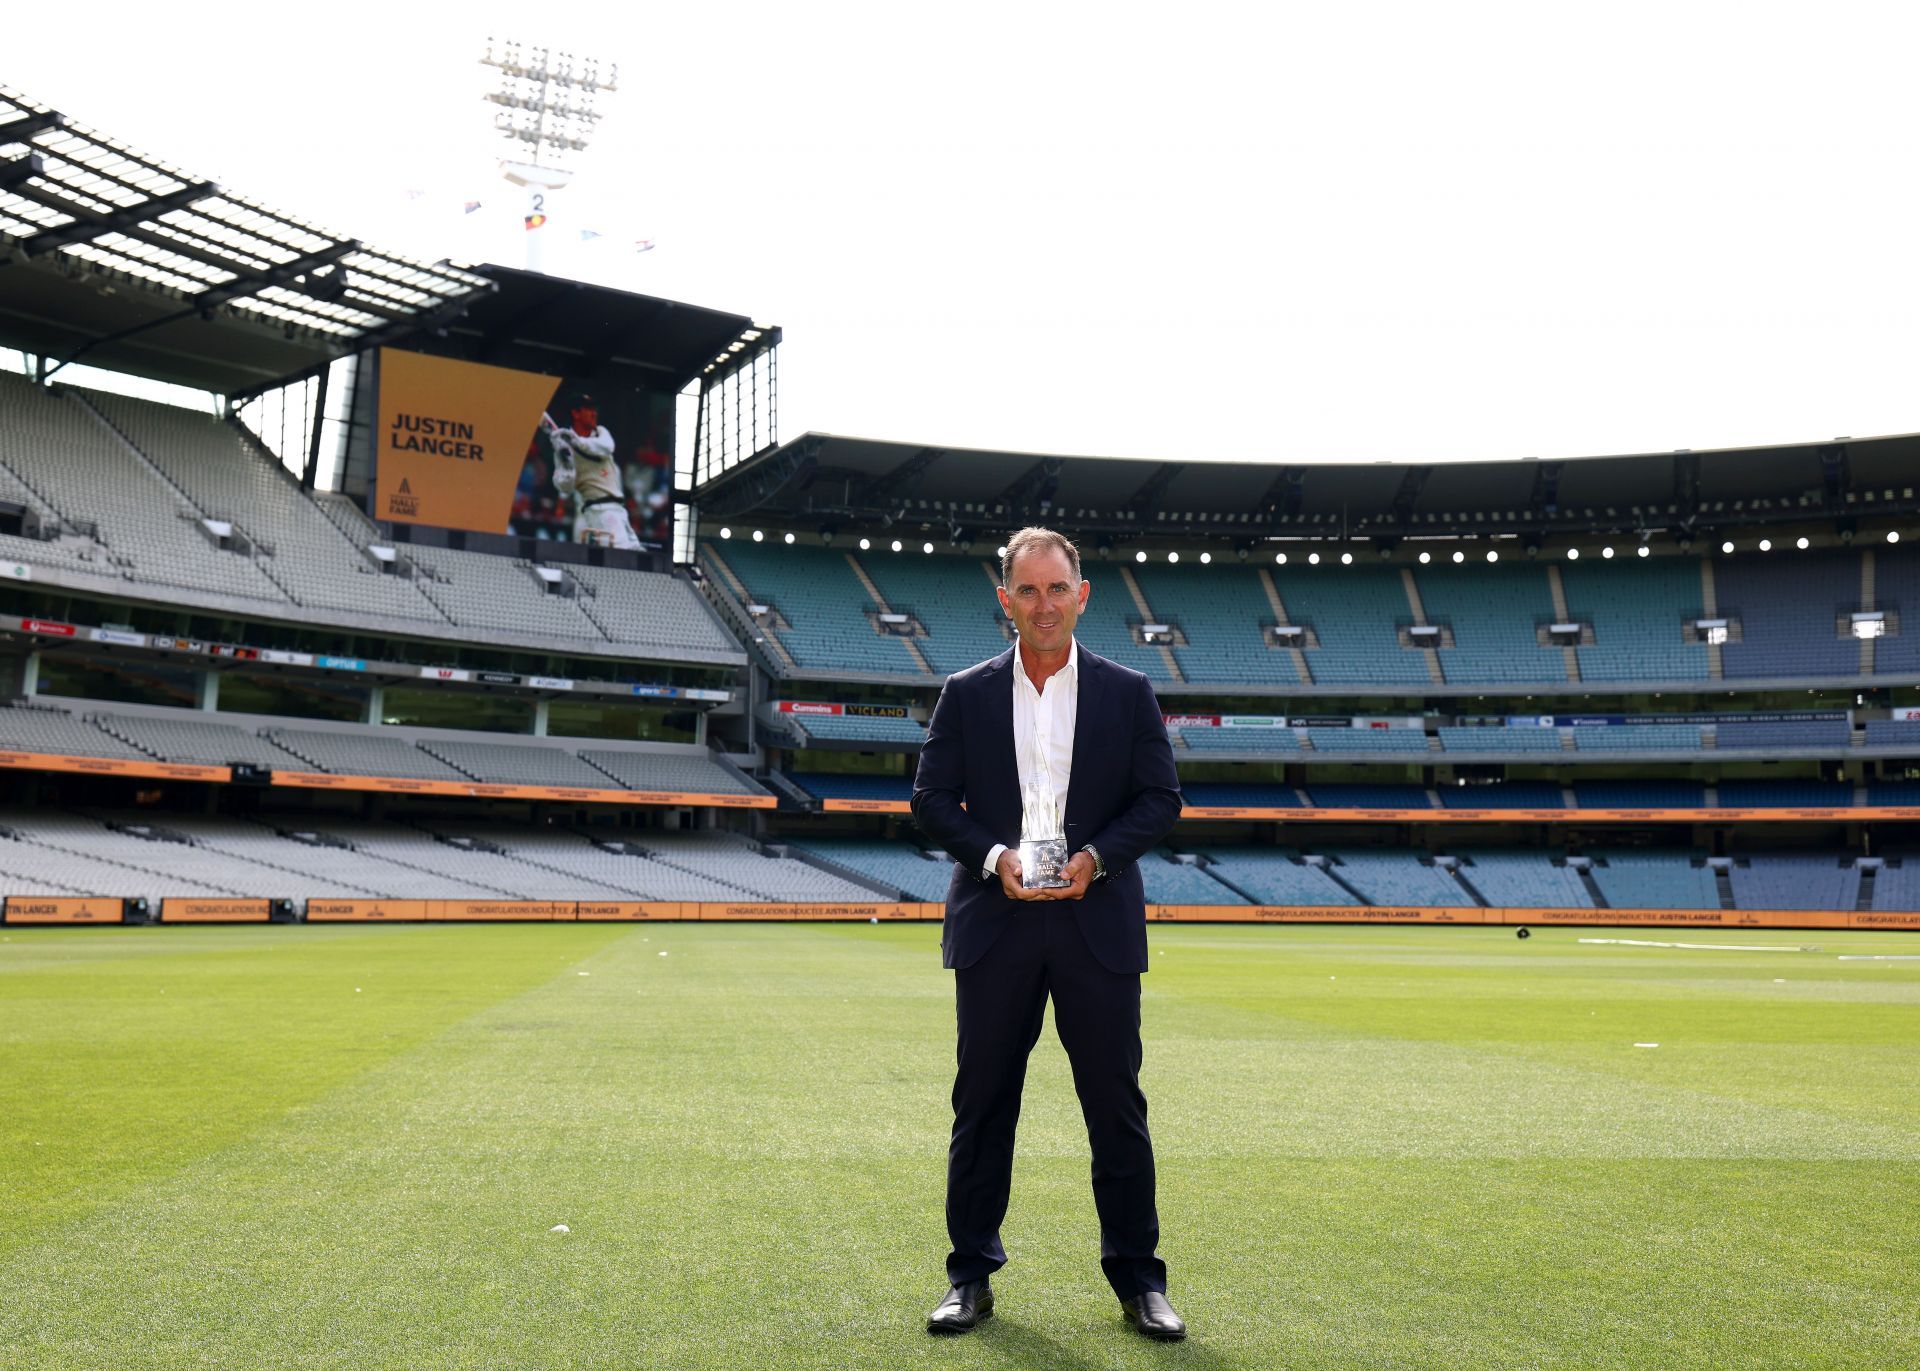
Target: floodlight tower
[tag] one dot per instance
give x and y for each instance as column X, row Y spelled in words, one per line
column 547, row 111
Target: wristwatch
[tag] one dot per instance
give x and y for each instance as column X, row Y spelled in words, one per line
column 1099, row 867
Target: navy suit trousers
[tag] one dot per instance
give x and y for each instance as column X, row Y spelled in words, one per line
column 1001, row 1002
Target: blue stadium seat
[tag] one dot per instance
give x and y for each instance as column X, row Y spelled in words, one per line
column 1494, row 612
column 1356, row 613
column 1637, row 609
column 1786, row 604
column 1223, row 611
column 1784, row 794
column 1502, row 795
column 1655, row 878
column 1795, row 881
column 1639, row 794
column 1824, row 735
column 1252, row 795
column 1361, row 795
column 1519, row 878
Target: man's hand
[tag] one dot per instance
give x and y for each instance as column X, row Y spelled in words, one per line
column 1009, row 869
column 1078, row 870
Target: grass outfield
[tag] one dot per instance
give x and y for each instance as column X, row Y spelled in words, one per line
column 346, row 1146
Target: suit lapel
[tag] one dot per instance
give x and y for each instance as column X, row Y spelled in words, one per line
column 998, row 704
column 1086, row 727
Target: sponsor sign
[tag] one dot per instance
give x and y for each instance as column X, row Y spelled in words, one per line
column 496, row 911
column 627, row 911
column 1251, row 721
column 124, row 637
column 279, row 658
column 193, row 645
column 62, row 909
column 550, row 683
column 341, row 663
column 1191, row 720
column 808, row 707
column 865, row 807
column 1906, row 714
column 718, row 697
column 51, row 627
column 366, row 911
column 451, row 437
column 445, row 673
column 876, row 711
column 16, row 571
column 496, row 678
column 183, row 911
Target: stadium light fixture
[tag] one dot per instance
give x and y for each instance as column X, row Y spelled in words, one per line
column 1346, row 559
column 1766, row 545
column 1643, row 551
column 726, row 533
column 758, row 536
column 1000, row 551
column 1607, row 552
column 1459, row 557
column 1893, row 535
column 927, row 548
column 1727, row 546
column 1573, row 554
column 788, row 539
column 866, row 544
column 1313, row 559
column 1173, row 556
column 1425, row 557
column 1280, row 559
column 1206, row 558
column 896, row 544
column 1492, row 555
column 1801, row 542
column 546, row 110
column 1140, row 556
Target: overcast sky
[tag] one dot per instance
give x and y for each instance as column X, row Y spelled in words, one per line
column 1291, row 232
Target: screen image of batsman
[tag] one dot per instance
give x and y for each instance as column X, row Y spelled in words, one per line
column 586, row 472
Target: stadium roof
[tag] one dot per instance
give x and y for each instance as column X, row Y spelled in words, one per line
column 111, row 257
column 824, row 478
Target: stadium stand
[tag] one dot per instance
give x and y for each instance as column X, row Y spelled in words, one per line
column 478, row 591
column 1239, row 739
column 855, row 728
column 1637, row 738
column 953, row 599
column 57, row 732
column 1787, row 607
column 838, row 786
column 1502, row 795
column 516, row 763
column 1649, row 794
column 1277, row 876
column 648, row 612
column 1502, row 740
column 1168, row 881
column 194, row 741
column 916, row 873
column 1248, row 795
column 1795, row 882
column 1896, row 887
column 1899, row 733
column 819, row 595
column 1784, row 794
column 1517, row 878
column 1361, row 795
column 684, row 772
column 1494, row 613
column 1637, row 612
column 1809, row 735
column 1893, row 793
column 1355, row 612
column 739, row 862
column 1896, row 580
column 1655, row 878
column 1224, row 612
column 1106, row 624
column 1397, row 877
column 1368, row 740
column 362, row 754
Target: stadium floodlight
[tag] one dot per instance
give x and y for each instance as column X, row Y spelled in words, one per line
column 1173, row 556
column 1766, row 545
column 758, row 536
column 1573, row 554
column 726, row 533
column 1492, row 555
column 927, row 548
column 1425, row 557
column 1206, row 558
column 1893, row 535
column 1459, row 557
column 1607, row 552
column 1801, row 542
column 547, row 110
column 1280, row 559
column 866, row 544
column 1000, row 551
column 1140, row 556
column 787, row 539
column 1643, row 551
column 1346, row 559
column 896, row 544
column 1313, row 559
column 1727, row 546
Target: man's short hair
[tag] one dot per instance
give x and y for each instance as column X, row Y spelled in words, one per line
column 1034, row 540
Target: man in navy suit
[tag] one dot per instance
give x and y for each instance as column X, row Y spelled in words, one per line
column 1043, row 724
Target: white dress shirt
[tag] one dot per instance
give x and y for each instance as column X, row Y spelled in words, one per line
column 1043, row 722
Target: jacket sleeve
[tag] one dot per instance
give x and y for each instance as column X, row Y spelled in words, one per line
column 940, row 784
column 1153, row 783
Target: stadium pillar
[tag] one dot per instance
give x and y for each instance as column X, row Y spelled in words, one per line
column 376, row 704
column 540, row 718
column 208, row 691
column 20, row 675
column 700, row 728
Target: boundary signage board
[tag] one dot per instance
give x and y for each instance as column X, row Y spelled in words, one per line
column 113, row 766
column 865, row 807
column 176, row 910
column 22, row 910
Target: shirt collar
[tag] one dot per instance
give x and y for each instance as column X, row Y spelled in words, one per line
column 1072, row 668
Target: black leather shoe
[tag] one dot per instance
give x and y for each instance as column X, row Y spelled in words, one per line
column 965, row 1305
column 1151, row 1314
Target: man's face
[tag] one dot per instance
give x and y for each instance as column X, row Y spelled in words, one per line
column 1043, row 599
column 586, row 419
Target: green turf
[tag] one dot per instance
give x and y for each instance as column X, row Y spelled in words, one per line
column 345, row 1147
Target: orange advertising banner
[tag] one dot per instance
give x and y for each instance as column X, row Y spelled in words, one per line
column 1305, row 814
column 451, row 438
column 114, row 766
column 175, row 910
column 628, row 911
column 1598, row 918
column 481, row 790
column 868, row 807
column 61, row 909
column 366, row 911
column 814, row 913
column 497, row 911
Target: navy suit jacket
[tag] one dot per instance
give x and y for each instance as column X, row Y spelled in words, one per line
column 1123, row 798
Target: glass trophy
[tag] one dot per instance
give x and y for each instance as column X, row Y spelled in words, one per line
column 1043, row 844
